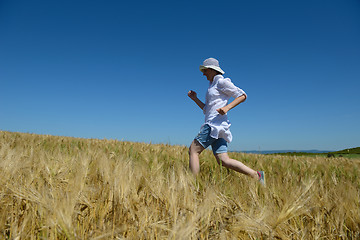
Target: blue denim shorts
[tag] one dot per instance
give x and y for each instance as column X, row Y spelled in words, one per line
column 218, row 145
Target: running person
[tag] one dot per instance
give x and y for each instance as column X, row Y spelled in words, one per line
column 216, row 129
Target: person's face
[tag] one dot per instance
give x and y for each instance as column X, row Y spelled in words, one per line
column 209, row 73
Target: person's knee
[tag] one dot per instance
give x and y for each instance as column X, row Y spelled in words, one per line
column 223, row 158
column 225, row 162
column 195, row 148
column 192, row 149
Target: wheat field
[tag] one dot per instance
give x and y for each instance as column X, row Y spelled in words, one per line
column 71, row 188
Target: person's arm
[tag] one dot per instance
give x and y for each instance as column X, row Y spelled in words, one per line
column 231, row 105
column 193, row 96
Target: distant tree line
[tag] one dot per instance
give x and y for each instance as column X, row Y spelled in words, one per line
column 348, row 151
column 328, row 154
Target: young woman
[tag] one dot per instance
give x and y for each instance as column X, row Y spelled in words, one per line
column 216, row 129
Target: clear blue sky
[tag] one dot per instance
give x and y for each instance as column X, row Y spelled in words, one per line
column 122, row 69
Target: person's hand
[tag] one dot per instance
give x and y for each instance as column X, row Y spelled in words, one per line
column 192, row 94
column 222, row 110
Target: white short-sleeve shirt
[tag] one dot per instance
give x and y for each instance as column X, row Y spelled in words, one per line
column 217, row 96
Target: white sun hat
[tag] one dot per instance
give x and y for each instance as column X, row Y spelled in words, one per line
column 211, row 63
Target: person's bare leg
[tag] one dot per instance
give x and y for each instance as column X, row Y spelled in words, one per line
column 235, row 165
column 194, row 152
